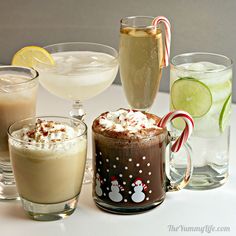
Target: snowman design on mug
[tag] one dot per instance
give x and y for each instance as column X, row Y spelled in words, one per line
column 114, row 194
column 98, row 189
column 139, row 187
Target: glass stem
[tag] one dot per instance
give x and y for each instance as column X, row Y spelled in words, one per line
column 77, row 111
column 7, row 176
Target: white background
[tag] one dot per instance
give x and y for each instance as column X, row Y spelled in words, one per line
column 187, row 208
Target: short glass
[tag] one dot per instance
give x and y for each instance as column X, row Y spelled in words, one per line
column 48, row 176
column 18, row 92
column 133, row 175
column 141, row 57
column 201, row 84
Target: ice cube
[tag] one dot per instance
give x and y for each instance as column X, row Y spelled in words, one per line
column 64, row 69
column 138, row 33
column 71, row 60
column 197, row 67
column 212, row 66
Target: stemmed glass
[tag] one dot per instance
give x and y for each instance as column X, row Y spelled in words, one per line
column 82, row 70
column 143, row 54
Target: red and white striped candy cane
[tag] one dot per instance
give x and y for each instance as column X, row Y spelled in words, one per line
column 165, row 21
column 189, row 125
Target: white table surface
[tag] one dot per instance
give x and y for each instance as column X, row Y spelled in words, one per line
column 185, row 208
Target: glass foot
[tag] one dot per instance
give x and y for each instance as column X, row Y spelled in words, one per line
column 88, row 174
column 206, row 177
column 7, row 182
column 8, row 192
column 50, row 212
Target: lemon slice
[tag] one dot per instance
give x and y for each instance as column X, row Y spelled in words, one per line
column 30, row 56
column 225, row 113
column 191, row 95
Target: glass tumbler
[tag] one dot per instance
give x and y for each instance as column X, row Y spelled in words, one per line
column 201, row 84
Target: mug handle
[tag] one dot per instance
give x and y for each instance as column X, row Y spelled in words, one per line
column 181, row 141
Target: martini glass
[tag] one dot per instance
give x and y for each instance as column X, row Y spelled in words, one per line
column 82, row 70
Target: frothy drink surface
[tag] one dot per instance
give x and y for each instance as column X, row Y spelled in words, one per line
column 129, row 154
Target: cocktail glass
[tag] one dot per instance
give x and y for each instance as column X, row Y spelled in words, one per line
column 82, row 70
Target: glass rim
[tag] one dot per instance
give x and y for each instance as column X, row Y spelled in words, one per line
column 123, row 24
column 134, row 140
column 202, row 53
column 2, row 67
column 45, row 117
column 83, row 43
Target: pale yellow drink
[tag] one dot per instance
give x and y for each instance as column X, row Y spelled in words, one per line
column 141, row 57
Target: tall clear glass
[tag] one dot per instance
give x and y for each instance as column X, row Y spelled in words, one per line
column 201, row 84
column 18, row 92
column 141, row 60
column 82, row 70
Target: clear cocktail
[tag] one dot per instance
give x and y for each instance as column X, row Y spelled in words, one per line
column 201, row 84
column 79, row 75
column 80, row 72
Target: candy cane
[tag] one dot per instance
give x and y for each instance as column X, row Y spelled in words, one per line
column 165, row 21
column 189, row 125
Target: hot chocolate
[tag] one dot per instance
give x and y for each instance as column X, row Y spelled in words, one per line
column 129, row 161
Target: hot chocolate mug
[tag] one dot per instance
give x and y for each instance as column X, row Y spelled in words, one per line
column 132, row 171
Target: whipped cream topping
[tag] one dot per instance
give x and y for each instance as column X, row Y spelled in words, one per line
column 46, row 132
column 123, row 120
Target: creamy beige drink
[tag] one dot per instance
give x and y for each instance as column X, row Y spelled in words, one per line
column 141, row 58
column 18, row 91
column 17, row 101
column 48, row 159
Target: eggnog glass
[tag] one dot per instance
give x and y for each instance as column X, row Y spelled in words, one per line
column 18, row 92
column 48, row 173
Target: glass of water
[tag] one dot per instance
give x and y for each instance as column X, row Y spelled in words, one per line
column 201, row 84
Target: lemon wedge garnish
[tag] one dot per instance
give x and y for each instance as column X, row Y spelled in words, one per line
column 30, row 56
